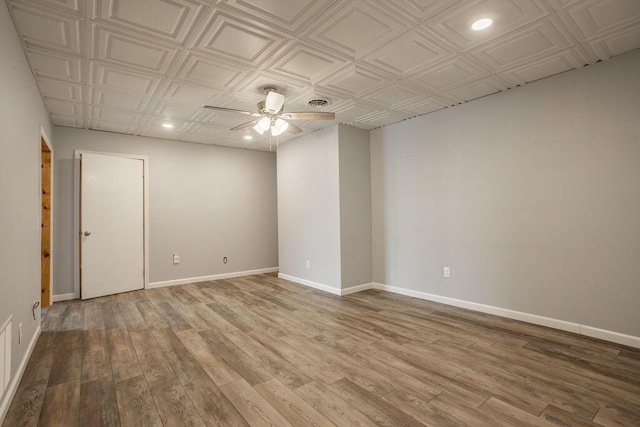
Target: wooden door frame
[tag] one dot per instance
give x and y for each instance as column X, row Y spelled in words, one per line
column 44, row 137
column 76, row 213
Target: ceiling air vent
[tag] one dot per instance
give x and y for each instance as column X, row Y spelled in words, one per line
column 318, row 103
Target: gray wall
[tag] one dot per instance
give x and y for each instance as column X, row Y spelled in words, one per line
column 21, row 115
column 531, row 196
column 205, row 203
column 324, row 207
column 309, row 207
column 355, row 206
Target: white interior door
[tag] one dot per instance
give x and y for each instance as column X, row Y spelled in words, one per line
column 111, row 224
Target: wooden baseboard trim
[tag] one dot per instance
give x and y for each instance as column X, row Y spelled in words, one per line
column 13, row 387
column 212, row 277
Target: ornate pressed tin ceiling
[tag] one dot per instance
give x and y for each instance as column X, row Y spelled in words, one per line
column 129, row 66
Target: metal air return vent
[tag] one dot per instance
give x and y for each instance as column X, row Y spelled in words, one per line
column 318, row 103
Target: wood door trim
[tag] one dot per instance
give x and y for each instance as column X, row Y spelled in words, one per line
column 45, row 215
column 46, row 233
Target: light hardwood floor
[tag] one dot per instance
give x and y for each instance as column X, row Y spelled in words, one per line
column 262, row 351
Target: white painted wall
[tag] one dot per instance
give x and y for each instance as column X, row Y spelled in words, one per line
column 205, row 203
column 355, row 206
column 531, row 196
column 309, row 208
column 21, row 115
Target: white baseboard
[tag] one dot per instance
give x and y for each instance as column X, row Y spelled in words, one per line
column 213, row 277
column 498, row 311
column 310, row 284
column 13, row 387
column 357, row 288
column 63, row 297
column 562, row 325
column 326, row 288
column 628, row 340
column 616, row 337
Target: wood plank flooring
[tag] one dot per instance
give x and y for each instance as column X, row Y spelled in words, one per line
column 262, row 351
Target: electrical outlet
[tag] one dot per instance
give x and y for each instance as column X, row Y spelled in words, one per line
column 447, row 272
column 20, row 333
column 308, row 264
column 176, row 259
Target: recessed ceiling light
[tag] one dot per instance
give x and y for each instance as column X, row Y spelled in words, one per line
column 248, row 137
column 167, row 125
column 481, row 24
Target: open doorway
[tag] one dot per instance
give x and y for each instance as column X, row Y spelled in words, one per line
column 45, row 239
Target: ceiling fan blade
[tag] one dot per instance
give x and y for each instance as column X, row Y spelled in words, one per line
column 309, row 115
column 231, row 110
column 246, row 125
column 294, row 129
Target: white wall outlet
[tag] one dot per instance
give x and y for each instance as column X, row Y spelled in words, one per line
column 308, row 264
column 447, row 272
column 176, row 259
column 20, row 333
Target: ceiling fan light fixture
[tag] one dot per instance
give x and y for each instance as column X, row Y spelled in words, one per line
column 274, row 102
column 281, row 125
column 258, row 129
column 264, row 124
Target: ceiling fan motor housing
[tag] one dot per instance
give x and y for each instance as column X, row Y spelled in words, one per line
column 263, row 109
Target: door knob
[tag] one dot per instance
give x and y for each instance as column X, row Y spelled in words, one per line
column 87, row 233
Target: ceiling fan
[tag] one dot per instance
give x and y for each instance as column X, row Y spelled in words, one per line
column 271, row 115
